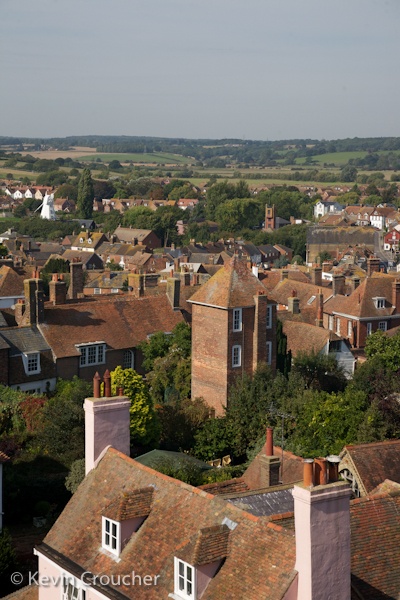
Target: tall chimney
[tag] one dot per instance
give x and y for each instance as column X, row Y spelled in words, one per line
column 396, row 295
column 319, row 321
column 338, row 284
column 260, row 324
column 34, row 302
column 355, row 282
column 322, row 529
column 107, row 423
column 76, row 282
column 316, row 276
column 173, row 292
column 57, row 290
column 294, row 303
column 373, row 265
column 269, row 464
column 284, row 274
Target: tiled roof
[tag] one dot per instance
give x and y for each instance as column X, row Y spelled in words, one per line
column 259, row 563
column 130, row 504
column 360, row 303
column 30, row 592
column 375, row 546
column 125, row 234
column 301, row 336
column 11, row 284
column 232, row 286
column 372, row 463
column 231, row 486
column 304, row 292
column 208, row 546
column 121, row 322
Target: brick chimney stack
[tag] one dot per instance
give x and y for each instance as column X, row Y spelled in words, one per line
column 373, row 265
column 173, row 292
column 260, row 324
column 34, row 302
column 316, row 276
column 338, row 285
column 57, row 290
column 396, row 295
column 269, row 464
column 322, row 529
column 107, row 422
column 319, row 321
column 76, row 283
column 294, row 303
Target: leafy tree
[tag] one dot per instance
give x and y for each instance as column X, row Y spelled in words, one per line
column 67, row 190
column 8, row 560
column 143, row 422
column 3, row 250
column 184, row 471
column 56, row 265
column 235, row 214
column 75, row 476
column 387, row 348
column 158, row 345
column 85, row 194
column 319, row 371
column 179, row 422
column 63, row 423
column 283, row 356
column 348, row 173
column 215, row 439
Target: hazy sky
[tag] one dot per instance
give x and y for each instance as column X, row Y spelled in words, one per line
column 260, row 69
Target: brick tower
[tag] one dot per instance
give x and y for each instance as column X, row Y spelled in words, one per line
column 233, row 329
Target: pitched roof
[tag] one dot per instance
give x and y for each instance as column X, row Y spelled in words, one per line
column 122, row 322
column 375, row 546
column 304, row 292
column 301, row 336
column 372, row 463
column 11, row 284
column 30, row 592
column 24, row 339
column 232, row 286
column 361, row 303
column 259, row 560
column 130, row 504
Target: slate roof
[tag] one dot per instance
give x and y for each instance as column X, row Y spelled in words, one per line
column 122, row 322
column 372, row 463
column 232, row 286
column 24, row 339
column 260, row 556
column 265, row 504
column 360, row 303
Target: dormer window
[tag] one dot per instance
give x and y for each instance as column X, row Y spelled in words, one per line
column 81, row 240
column 184, row 580
column 379, row 302
column 92, row 354
column 111, row 536
column 89, row 240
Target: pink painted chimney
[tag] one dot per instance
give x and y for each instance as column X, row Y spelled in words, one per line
column 322, row 527
column 107, row 422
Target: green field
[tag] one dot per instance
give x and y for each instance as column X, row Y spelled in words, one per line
column 337, row 158
column 161, row 158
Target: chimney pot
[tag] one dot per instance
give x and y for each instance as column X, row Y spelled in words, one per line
column 320, row 472
column 308, row 476
column 96, row 385
column 333, row 467
column 107, row 384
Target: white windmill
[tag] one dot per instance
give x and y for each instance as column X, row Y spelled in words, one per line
column 47, row 207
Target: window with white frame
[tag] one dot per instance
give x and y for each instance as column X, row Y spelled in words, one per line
column 331, row 322
column 184, row 580
column 31, row 362
column 349, row 328
column 111, row 538
column 338, row 325
column 369, row 328
column 236, row 356
column 380, row 302
column 72, row 589
column 97, row 290
column 128, row 360
column 269, row 353
column 269, row 316
column 382, row 325
column 237, row 319
column 92, row 354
